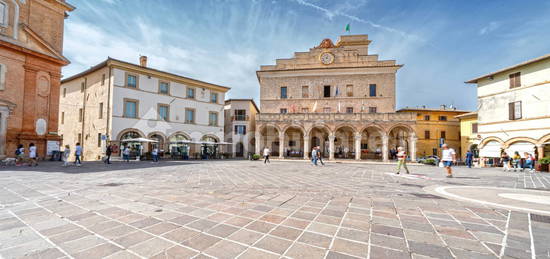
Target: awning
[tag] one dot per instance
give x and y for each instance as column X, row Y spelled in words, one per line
column 491, row 149
column 181, row 142
column 139, row 140
column 521, row 147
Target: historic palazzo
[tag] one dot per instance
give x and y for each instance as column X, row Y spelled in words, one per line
column 337, row 97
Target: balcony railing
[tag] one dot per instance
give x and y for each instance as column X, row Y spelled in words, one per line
column 336, row 117
column 240, row 118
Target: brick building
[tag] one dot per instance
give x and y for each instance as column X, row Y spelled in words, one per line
column 31, row 57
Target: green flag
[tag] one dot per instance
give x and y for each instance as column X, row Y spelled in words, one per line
column 347, row 28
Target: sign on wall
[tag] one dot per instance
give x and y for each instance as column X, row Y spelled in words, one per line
column 52, row 145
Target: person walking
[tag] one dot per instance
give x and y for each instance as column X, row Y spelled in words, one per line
column 77, row 154
column 32, row 155
column 516, row 159
column 469, row 158
column 19, row 155
column 266, row 155
column 401, row 160
column 66, row 154
column 155, row 154
column 448, row 156
column 314, row 156
column 108, row 152
column 505, row 162
column 320, row 156
column 126, row 154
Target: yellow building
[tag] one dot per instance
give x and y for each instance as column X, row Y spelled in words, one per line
column 468, row 133
column 434, row 127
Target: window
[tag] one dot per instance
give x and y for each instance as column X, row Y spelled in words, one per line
column 212, row 119
column 305, row 110
column 103, row 79
column 326, row 91
column 164, row 87
column 443, row 118
column 164, row 112
column 62, row 117
column 426, row 117
column 427, row 134
column 240, row 115
column 283, row 92
column 98, row 139
column 372, row 90
column 3, row 14
column 100, row 111
column 130, row 108
column 3, row 70
column 214, row 97
column 283, row 110
column 189, row 116
column 443, row 134
column 131, row 81
column 349, row 90
column 190, row 92
column 326, row 110
column 80, row 115
column 474, row 127
column 349, row 109
column 64, row 92
column 82, row 86
column 515, row 80
column 305, row 91
column 372, row 109
column 240, row 129
column 291, row 143
column 514, row 110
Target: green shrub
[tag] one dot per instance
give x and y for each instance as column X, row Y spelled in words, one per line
column 256, row 157
column 429, row 161
column 545, row 160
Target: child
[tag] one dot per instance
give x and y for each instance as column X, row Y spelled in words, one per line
column 66, row 154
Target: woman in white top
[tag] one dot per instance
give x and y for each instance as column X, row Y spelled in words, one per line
column 448, row 157
column 66, row 154
column 32, row 155
column 266, row 155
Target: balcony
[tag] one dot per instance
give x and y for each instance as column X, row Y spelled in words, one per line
column 240, row 118
column 360, row 117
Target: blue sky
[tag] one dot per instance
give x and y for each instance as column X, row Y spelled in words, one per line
column 442, row 43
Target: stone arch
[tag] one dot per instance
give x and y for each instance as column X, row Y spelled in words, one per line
column 161, row 144
column 489, row 139
column 180, row 133
column 210, row 136
column 120, row 134
column 263, row 126
column 322, row 126
column 346, row 125
column 511, row 141
column 344, row 141
column 377, row 127
column 543, row 139
column 293, row 141
column 285, row 128
column 401, row 125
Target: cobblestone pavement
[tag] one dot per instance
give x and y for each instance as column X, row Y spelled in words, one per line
column 244, row 209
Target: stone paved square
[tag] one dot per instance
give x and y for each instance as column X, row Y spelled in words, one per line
column 288, row 209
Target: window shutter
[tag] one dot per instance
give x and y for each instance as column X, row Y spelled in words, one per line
column 510, row 111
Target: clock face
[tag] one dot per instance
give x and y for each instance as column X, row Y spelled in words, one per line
column 326, row 58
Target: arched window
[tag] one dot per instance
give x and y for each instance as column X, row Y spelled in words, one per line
column 130, row 135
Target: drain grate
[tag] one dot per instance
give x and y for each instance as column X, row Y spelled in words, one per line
column 540, row 218
column 426, row 196
column 110, row 184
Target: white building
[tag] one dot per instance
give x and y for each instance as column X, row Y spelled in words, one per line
column 514, row 109
column 117, row 100
column 240, row 125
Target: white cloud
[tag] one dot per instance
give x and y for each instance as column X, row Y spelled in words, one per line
column 489, row 28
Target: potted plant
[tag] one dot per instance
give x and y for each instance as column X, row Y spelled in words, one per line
column 255, row 157
column 543, row 164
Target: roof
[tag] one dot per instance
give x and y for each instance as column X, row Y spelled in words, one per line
column 431, row 110
column 473, row 81
column 110, row 60
column 244, row 100
column 466, row 115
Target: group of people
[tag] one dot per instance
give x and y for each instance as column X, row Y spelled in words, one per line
column 20, row 155
column 77, row 154
column 517, row 163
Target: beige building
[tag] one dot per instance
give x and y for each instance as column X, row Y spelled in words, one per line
column 336, row 96
column 514, row 109
column 240, row 126
column 468, row 133
column 117, row 100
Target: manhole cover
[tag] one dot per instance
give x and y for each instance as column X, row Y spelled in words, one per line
column 540, row 218
column 111, row 184
column 426, row 196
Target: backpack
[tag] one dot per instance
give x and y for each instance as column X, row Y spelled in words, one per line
column 17, row 152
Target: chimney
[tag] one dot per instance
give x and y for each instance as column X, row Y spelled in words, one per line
column 143, row 61
column 443, row 107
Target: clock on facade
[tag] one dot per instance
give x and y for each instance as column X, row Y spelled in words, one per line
column 326, row 58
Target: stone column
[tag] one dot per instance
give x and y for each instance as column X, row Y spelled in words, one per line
column 412, row 147
column 258, row 145
column 306, row 147
column 4, row 113
column 281, row 145
column 385, row 140
column 357, row 146
column 540, row 150
column 331, row 139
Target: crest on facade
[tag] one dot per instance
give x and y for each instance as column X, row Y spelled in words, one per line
column 325, row 44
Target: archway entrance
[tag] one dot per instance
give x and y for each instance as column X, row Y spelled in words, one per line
column 371, row 143
column 344, row 143
column 319, row 138
column 159, row 144
column 179, row 146
column 401, row 136
column 269, row 139
column 294, row 142
column 209, row 147
column 239, row 150
column 135, row 147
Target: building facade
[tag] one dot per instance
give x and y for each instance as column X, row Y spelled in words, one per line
column 468, row 133
column 335, row 96
column 514, row 109
column 435, row 127
column 240, row 126
column 117, row 100
column 31, row 57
